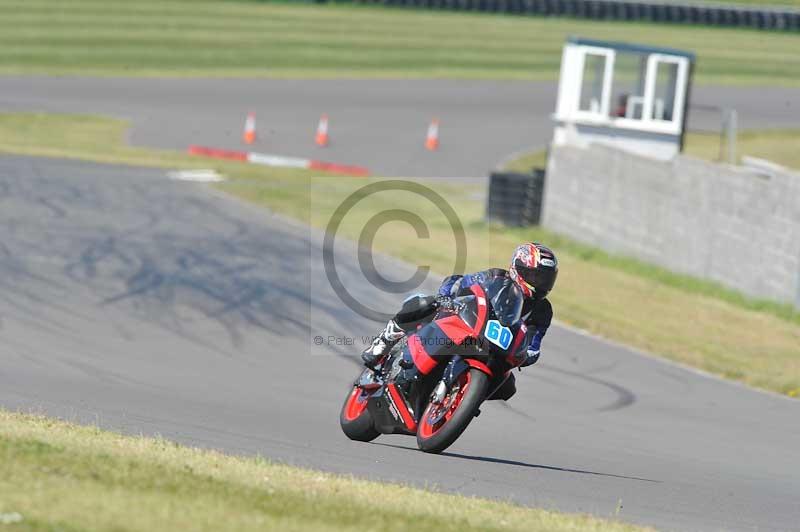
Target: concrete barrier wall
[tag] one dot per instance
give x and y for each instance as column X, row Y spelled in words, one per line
column 728, row 224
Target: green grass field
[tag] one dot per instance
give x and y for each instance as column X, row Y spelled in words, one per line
column 60, row 477
column 717, row 330
column 776, row 145
column 204, row 38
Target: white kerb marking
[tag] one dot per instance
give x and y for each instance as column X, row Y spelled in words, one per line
column 200, row 176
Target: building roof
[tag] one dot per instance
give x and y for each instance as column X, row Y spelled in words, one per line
column 627, row 47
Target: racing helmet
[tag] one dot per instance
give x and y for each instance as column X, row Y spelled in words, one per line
column 534, row 268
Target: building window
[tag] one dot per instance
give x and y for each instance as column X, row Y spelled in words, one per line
column 630, row 72
column 593, row 81
column 666, row 85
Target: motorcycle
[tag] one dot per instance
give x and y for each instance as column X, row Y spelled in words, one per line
column 431, row 384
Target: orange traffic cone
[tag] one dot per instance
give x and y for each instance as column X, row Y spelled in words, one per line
column 322, row 131
column 432, row 140
column 249, row 135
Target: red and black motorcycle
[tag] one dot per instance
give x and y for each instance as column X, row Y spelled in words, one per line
column 433, row 382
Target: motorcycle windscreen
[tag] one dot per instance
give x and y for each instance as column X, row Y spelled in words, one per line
column 468, row 310
column 507, row 300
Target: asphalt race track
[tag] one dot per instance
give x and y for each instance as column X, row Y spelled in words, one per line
column 161, row 307
column 379, row 124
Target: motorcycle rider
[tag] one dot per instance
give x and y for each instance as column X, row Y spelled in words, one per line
column 533, row 268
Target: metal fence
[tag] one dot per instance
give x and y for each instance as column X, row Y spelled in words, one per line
column 679, row 12
column 721, row 122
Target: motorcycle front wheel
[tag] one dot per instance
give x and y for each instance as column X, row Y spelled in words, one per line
column 355, row 419
column 443, row 422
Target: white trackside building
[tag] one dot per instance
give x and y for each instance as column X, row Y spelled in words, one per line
column 631, row 97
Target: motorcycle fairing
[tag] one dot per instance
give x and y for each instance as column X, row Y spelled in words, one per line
column 516, row 356
column 400, row 405
column 459, row 365
column 480, row 299
column 434, row 341
column 389, row 412
column 438, row 338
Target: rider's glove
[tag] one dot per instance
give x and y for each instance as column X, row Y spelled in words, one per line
column 445, row 302
column 531, row 359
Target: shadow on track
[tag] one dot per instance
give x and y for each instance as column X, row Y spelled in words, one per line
column 522, row 464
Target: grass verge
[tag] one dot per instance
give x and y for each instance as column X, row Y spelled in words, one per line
column 678, row 317
column 524, row 162
column 58, row 476
column 776, row 145
column 223, row 39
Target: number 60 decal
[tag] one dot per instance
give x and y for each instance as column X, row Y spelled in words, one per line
column 498, row 335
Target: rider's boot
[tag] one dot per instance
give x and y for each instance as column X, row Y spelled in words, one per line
column 392, row 334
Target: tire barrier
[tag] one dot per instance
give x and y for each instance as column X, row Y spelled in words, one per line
column 515, row 199
column 762, row 18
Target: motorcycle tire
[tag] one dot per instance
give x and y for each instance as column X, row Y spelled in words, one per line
column 438, row 436
column 355, row 419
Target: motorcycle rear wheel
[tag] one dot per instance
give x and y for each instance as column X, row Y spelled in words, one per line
column 441, row 424
column 355, row 419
